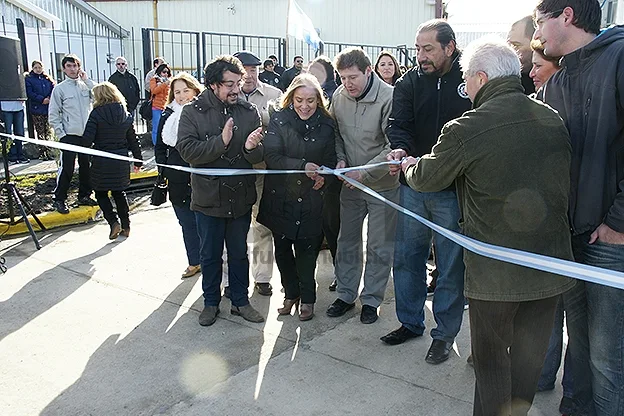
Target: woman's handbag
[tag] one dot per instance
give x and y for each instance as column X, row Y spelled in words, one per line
column 146, row 110
column 159, row 193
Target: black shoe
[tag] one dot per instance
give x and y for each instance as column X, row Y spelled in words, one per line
column 438, row 352
column 333, row 286
column 368, row 315
column 264, row 289
column 339, row 308
column 226, row 292
column 399, row 336
column 61, row 207
column 567, row 406
column 85, row 200
column 24, row 160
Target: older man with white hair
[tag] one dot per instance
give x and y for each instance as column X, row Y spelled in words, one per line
column 509, row 158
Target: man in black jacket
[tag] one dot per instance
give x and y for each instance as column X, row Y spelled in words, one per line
column 218, row 130
column 126, row 83
column 588, row 93
column 425, row 98
column 287, row 77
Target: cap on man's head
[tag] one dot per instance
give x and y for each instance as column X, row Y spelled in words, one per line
column 248, row 58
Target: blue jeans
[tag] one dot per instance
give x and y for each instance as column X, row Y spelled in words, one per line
column 595, row 315
column 156, row 113
column 187, row 221
column 213, row 232
column 14, row 123
column 413, row 242
column 553, row 358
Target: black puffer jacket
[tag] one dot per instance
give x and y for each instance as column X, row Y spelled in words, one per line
column 179, row 182
column 110, row 129
column 201, row 145
column 289, row 206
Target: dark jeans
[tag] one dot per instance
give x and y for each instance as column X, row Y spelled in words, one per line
column 187, row 221
column 509, row 342
column 553, row 358
column 14, row 123
column 595, row 316
column 66, row 171
column 413, row 244
column 331, row 215
column 297, row 270
column 213, row 232
column 107, row 207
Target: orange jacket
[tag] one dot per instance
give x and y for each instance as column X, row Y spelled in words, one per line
column 159, row 93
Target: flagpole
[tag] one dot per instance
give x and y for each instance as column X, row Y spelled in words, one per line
column 287, row 43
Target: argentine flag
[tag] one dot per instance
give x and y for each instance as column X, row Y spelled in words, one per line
column 300, row 26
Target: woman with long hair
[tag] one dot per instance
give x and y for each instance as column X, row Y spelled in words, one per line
column 110, row 129
column 38, row 89
column 387, row 68
column 159, row 88
column 300, row 136
column 184, row 89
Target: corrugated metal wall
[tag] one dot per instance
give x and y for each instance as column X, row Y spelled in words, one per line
column 350, row 21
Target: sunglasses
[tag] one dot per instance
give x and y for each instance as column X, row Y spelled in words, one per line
column 120, row 64
column 299, row 61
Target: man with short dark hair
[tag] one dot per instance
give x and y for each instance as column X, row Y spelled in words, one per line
column 287, row 77
column 70, row 105
column 126, row 83
column 219, row 130
column 425, row 98
column 361, row 107
column 519, row 37
column 278, row 68
column 588, row 93
column 269, row 76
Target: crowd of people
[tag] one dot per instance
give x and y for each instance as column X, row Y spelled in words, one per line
column 516, row 143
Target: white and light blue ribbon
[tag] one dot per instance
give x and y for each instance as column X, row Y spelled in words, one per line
column 566, row 268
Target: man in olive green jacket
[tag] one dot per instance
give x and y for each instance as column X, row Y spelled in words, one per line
column 509, row 158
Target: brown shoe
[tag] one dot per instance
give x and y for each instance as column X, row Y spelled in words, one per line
column 288, row 305
column 191, row 271
column 125, row 232
column 306, row 311
column 115, row 230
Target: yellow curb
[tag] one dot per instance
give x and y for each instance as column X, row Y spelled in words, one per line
column 80, row 215
column 144, row 174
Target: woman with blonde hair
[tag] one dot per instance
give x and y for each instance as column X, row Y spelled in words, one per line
column 110, row 129
column 387, row 68
column 184, row 88
column 300, row 136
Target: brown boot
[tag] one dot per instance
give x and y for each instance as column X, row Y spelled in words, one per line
column 288, row 304
column 306, row 311
column 115, row 230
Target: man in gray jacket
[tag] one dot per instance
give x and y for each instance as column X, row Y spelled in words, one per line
column 70, row 105
column 361, row 107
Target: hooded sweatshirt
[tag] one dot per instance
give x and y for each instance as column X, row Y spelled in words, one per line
column 588, row 93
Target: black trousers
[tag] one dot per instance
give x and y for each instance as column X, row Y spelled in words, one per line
column 331, row 215
column 297, row 269
column 107, row 207
column 66, row 171
column 509, row 343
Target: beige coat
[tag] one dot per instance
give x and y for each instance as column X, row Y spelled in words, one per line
column 360, row 127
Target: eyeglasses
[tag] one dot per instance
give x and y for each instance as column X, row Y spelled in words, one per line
column 538, row 23
column 121, row 64
column 231, row 84
column 166, row 73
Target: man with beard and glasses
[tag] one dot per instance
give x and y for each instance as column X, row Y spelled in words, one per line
column 424, row 99
column 219, row 130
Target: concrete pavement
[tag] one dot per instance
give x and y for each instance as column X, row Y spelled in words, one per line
column 92, row 327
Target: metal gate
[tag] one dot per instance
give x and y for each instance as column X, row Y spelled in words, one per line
column 181, row 49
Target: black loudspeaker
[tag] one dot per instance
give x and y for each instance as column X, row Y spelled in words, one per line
column 12, row 86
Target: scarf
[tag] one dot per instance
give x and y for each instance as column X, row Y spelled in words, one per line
column 170, row 129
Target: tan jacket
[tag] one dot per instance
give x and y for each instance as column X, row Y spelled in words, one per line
column 260, row 98
column 360, row 127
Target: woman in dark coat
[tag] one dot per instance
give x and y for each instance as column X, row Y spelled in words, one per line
column 183, row 89
column 110, row 129
column 38, row 89
column 300, row 136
